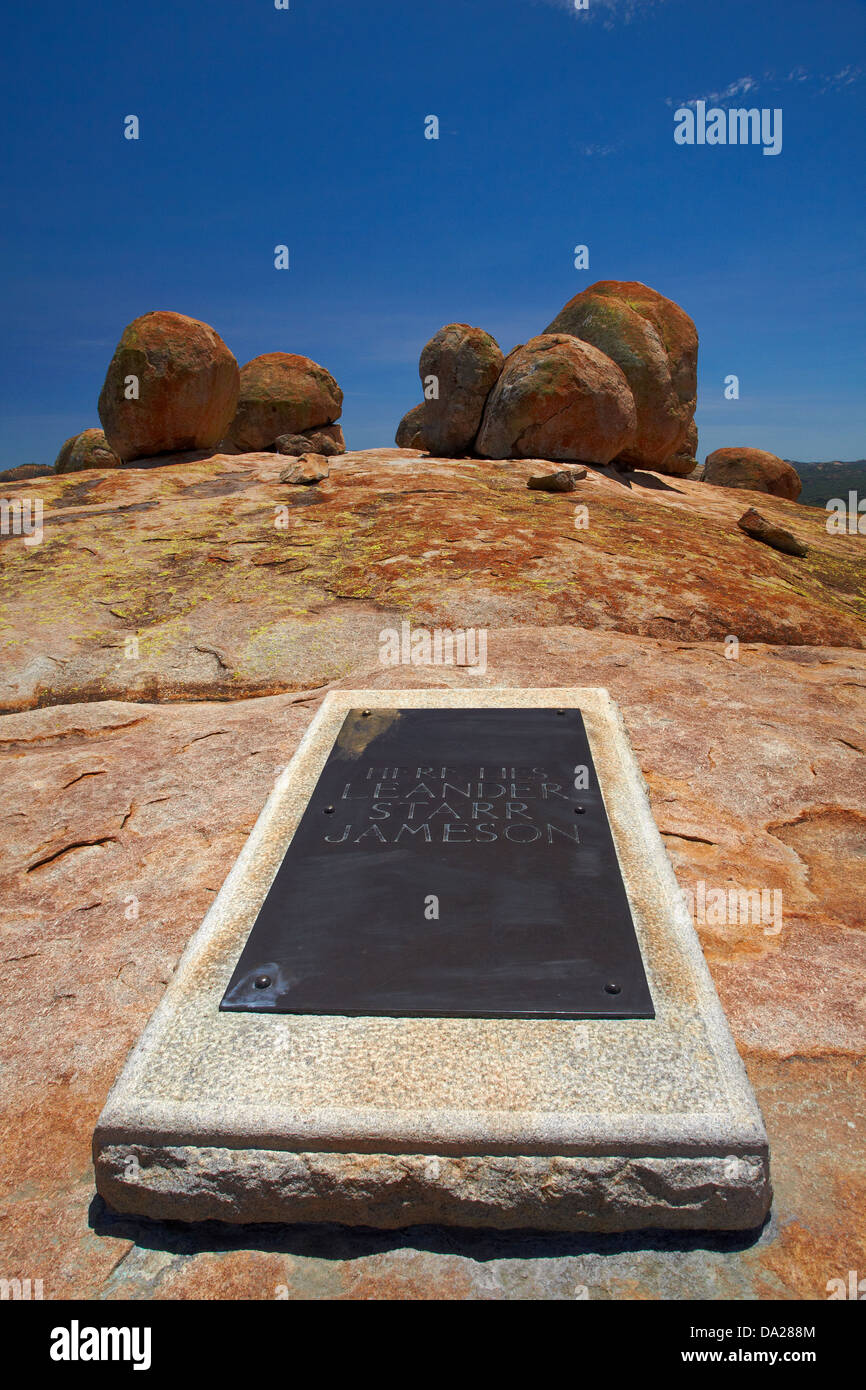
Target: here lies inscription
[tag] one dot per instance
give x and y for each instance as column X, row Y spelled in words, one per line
column 450, row 862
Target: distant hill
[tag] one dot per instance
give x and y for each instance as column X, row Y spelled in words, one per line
column 821, row 481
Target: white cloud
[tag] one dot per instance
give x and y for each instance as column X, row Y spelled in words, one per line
column 824, row 82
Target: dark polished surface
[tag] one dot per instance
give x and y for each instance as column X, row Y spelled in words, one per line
column 452, row 863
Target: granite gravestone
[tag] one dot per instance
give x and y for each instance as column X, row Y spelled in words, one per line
column 508, row 1105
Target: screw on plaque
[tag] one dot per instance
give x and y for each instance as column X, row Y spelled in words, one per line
column 365, row 714
column 579, row 810
column 262, row 981
column 613, row 989
column 329, row 810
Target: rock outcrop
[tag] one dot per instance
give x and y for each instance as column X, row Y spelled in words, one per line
column 558, row 398
column 171, row 387
column 458, row 369
column 23, row 471
column 282, row 393
column 90, row 449
column 410, row 431
column 655, row 344
column 752, row 469
column 250, row 609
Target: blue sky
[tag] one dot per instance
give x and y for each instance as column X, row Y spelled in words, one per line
column 306, row 127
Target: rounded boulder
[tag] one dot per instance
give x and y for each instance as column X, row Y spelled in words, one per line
column 655, row 344
column 458, row 369
column 410, row 431
column 558, row 398
column 171, row 387
column 90, row 449
column 754, row 470
column 282, row 393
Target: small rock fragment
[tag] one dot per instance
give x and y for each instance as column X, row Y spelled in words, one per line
column 564, row 480
column 760, row 529
column 306, row 470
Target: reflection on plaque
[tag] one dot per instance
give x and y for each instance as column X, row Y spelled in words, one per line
column 450, row 862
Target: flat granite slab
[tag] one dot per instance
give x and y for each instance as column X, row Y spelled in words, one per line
column 557, row 1124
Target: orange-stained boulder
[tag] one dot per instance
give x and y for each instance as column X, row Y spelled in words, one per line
column 282, row 393
column 171, row 386
column 655, row 344
column 410, row 431
column 90, row 449
column 464, row 362
column 753, row 469
column 558, row 398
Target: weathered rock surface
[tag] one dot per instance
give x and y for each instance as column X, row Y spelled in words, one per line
column 189, row 561
column 305, row 470
column 760, row 529
column 282, row 393
column 558, row 398
column 121, row 817
column 410, row 431
column 328, row 441
column 655, row 344
column 187, row 383
column 90, row 449
column 465, row 363
column 753, row 469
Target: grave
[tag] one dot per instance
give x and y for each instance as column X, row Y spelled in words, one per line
column 450, row 979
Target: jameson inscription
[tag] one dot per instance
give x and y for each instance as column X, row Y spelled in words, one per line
column 475, row 805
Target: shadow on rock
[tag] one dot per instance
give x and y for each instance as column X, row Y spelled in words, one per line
column 332, row 1242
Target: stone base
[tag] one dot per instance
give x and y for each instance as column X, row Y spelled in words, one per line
column 396, row 1190
column 556, row 1124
